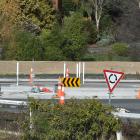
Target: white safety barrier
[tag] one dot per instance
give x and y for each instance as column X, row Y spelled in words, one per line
column 11, row 102
column 119, row 135
column 127, row 115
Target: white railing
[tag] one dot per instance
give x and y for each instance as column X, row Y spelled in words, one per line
column 127, row 115
column 11, row 102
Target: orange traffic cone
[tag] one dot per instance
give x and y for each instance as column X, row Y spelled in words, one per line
column 31, row 76
column 138, row 95
column 59, row 90
column 67, row 72
column 62, row 98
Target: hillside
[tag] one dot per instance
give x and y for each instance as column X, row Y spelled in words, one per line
column 74, row 31
column 129, row 22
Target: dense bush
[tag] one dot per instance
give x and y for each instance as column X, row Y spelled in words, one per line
column 23, row 46
column 105, row 39
column 91, row 31
column 75, row 36
column 52, row 42
column 76, row 120
column 120, row 49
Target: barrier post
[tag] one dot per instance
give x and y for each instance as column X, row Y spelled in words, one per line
column 31, row 123
column 17, row 73
column 67, row 72
column 119, row 135
column 83, row 72
column 31, row 76
column 64, row 69
column 77, row 70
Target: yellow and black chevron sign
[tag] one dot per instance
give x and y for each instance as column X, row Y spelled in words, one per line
column 71, row 82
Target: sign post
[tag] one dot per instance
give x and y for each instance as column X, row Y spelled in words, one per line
column 109, row 98
column 112, row 79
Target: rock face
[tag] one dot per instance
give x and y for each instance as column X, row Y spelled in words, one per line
column 129, row 23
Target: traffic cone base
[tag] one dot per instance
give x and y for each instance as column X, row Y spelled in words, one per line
column 62, row 101
column 138, row 95
column 59, row 90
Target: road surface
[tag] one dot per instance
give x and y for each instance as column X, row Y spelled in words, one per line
column 124, row 94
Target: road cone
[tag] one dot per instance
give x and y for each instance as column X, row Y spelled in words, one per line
column 59, row 90
column 62, row 98
column 67, row 72
column 31, row 76
column 138, row 95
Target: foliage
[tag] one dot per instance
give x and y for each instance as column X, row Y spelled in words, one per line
column 23, row 46
column 105, row 40
column 37, row 14
column 88, row 57
column 9, row 16
column 77, row 119
column 80, row 23
column 52, row 42
column 90, row 29
column 114, row 8
column 106, row 26
column 67, row 7
column 75, row 38
column 32, row 15
column 134, row 52
column 120, row 49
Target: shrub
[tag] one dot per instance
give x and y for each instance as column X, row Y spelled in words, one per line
column 77, row 120
column 105, row 40
column 88, row 58
column 134, row 52
column 24, row 46
column 120, row 49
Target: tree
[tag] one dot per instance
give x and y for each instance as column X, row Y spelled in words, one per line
column 9, row 17
column 92, row 7
column 75, row 37
column 138, row 3
column 37, row 15
column 52, row 41
column 98, row 9
column 67, row 7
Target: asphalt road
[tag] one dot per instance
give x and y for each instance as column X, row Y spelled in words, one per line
column 88, row 82
column 124, row 95
column 133, row 105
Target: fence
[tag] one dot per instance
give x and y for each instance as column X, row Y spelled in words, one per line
column 57, row 67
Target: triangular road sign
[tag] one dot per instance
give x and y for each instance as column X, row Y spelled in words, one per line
column 112, row 78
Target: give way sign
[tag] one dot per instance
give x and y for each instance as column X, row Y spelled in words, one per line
column 112, row 78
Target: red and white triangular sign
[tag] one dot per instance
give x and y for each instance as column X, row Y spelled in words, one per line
column 112, row 78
